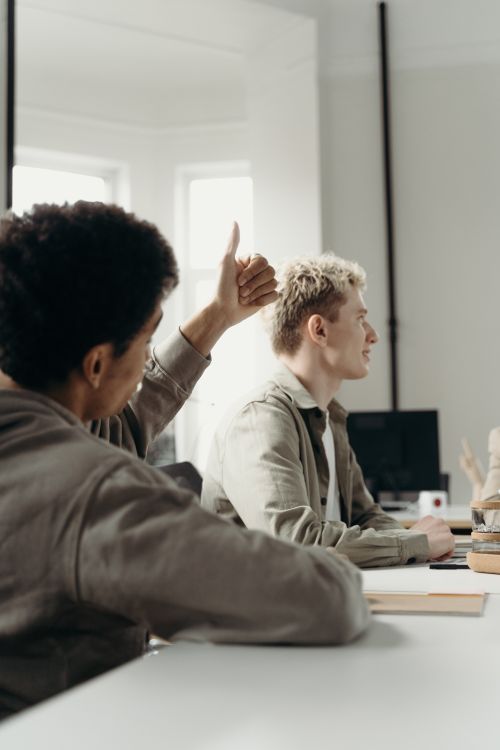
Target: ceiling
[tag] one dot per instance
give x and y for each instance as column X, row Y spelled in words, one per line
column 164, row 63
column 156, row 63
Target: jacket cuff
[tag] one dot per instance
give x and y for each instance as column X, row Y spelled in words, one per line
column 414, row 548
column 176, row 359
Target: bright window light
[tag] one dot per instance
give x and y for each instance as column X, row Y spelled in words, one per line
column 32, row 185
column 213, row 206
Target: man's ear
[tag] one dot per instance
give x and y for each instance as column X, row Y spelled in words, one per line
column 316, row 329
column 95, row 364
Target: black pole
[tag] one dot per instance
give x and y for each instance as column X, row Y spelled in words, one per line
column 10, row 102
column 389, row 216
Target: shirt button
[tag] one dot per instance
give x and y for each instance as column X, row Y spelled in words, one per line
column 323, row 501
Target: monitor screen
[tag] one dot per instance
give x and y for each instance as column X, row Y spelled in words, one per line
column 398, row 451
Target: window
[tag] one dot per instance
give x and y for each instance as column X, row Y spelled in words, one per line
column 52, row 177
column 213, row 204
column 211, row 199
column 42, row 185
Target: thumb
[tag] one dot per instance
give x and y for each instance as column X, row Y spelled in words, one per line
column 233, row 241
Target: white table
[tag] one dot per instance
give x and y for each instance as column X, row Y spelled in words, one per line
column 410, row 682
column 421, row 578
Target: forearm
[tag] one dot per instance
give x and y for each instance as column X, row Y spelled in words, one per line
column 287, row 515
column 372, row 548
column 365, row 547
column 205, row 328
column 187, row 574
column 373, row 517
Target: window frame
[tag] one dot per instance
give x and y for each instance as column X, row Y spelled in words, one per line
column 186, row 436
column 114, row 174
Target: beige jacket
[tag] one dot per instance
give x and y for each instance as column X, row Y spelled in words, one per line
column 97, row 548
column 267, row 469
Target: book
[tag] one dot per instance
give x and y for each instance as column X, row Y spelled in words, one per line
column 382, row 602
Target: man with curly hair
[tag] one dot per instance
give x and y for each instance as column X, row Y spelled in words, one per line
column 96, row 547
column 281, row 460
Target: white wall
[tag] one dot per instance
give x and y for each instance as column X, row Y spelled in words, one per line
column 283, row 130
column 284, row 151
column 448, row 178
column 445, row 69
column 353, row 209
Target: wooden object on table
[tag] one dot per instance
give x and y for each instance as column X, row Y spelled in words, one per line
column 483, row 562
column 425, row 604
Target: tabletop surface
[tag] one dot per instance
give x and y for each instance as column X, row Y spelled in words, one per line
column 458, row 516
column 411, row 681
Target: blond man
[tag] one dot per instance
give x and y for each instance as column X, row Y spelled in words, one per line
column 281, row 459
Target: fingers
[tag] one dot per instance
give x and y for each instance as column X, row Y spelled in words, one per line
column 466, row 448
column 256, row 265
column 257, row 280
column 444, row 557
column 261, row 291
column 233, row 241
column 261, row 301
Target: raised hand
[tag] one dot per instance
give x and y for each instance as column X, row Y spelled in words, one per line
column 472, row 468
column 245, row 284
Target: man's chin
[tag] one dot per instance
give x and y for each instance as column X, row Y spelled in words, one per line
column 359, row 374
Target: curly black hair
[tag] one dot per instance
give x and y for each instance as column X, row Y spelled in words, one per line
column 72, row 277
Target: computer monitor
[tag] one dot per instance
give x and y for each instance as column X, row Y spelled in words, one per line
column 398, row 451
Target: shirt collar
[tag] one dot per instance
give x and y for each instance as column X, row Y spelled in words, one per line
column 300, row 396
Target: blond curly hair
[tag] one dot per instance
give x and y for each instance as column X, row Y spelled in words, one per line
column 308, row 286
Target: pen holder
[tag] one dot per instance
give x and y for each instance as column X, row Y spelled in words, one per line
column 485, row 555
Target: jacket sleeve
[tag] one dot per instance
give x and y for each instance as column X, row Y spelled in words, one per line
column 368, row 515
column 168, row 382
column 492, row 483
column 262, row 475
column 148, row 552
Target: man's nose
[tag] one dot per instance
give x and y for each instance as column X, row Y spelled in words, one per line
column 371, row 334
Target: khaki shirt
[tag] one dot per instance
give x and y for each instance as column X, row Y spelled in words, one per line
column 267, row 469
column 97, row 548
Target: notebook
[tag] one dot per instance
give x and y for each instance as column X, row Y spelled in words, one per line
column 382, row 602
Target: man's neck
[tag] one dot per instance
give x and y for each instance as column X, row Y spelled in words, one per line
column 312, row 375
column 7, row 382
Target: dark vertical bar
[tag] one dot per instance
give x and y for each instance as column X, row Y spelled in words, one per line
column 389, row 217
column 10, row 100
